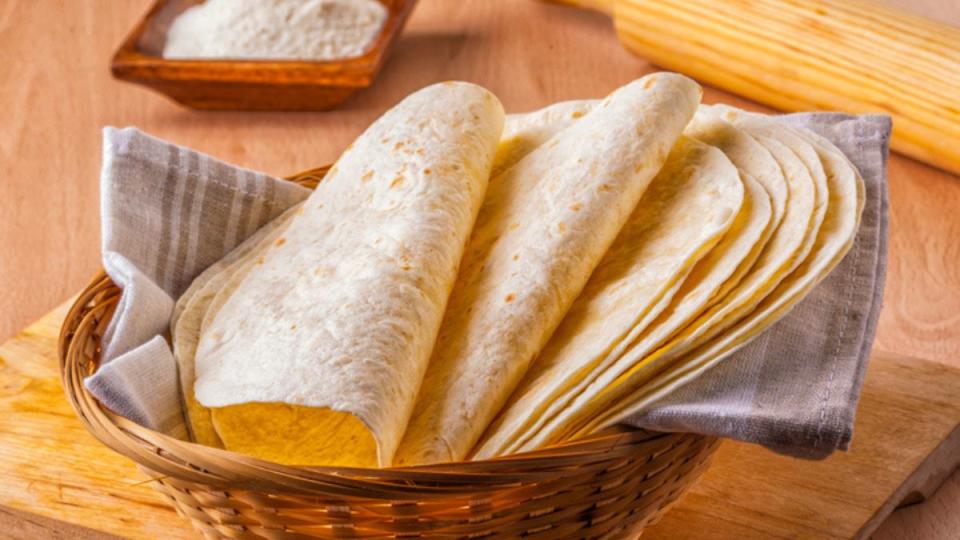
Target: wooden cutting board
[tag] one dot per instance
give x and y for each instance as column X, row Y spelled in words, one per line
column 57, row 481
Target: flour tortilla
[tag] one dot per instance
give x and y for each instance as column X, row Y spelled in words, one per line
column 544, row 226
column 240, row 252
column 193, row 306
column 787, row 146
column 200, row 303
column 711, row 279
column 694, row 200
column 317, row 355
column 750, row 157
column 704, row 286
column 525, row 132
column 785, row 249
column 836, row 235
column 760, row 125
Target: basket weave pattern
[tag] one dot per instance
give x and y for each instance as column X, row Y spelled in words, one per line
column 610, row 485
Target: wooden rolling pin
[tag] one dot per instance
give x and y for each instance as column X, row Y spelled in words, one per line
column 800, row 55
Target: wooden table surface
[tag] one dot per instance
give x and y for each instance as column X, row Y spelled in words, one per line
column 56, row 93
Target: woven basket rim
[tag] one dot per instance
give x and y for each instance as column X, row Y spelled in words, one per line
column 161, row 455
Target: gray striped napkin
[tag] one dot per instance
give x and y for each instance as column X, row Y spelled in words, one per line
column 169, row 212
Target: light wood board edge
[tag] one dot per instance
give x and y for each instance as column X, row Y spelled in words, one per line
column 922, row 483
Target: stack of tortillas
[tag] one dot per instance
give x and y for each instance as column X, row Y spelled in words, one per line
column 463, row 285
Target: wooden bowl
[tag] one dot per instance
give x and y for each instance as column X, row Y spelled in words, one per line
column 264, row 85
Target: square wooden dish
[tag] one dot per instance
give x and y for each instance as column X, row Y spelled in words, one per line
column 264, row 85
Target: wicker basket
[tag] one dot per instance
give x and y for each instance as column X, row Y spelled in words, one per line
column 607, row 486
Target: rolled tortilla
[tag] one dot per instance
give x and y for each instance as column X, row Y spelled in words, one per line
column 192, row 309
column 544, row 226
column 317, row 355
column 200, row 303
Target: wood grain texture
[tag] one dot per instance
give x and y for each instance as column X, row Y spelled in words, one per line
column 752, row 493
column 50, row 466
column 936, row 519
column 58, row 92
column 923, row 483
column 18, row 525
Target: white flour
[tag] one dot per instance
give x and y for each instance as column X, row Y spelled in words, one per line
column 275, row 29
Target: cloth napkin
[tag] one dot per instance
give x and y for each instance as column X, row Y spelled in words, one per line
column 169, row 212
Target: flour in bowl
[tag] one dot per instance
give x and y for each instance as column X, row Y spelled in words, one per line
column 275, row 29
